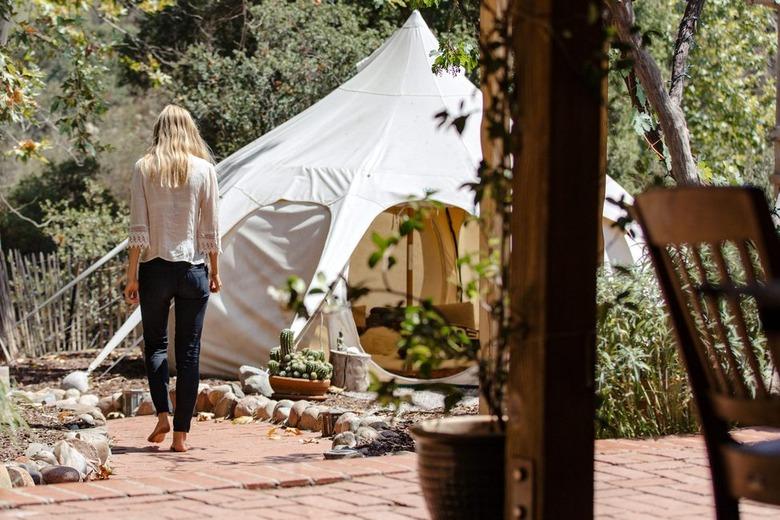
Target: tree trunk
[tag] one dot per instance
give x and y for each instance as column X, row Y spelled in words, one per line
column 5, row 26
column 682, row 47
column 670, row 115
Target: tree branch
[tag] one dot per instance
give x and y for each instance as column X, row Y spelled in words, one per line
column 682, row 48
column 16, row 212
column 652, row 136
column 670, row 115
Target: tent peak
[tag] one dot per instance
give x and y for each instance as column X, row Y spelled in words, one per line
column 415, row 20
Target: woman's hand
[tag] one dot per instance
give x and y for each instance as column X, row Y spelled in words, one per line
column 215, row 283
column 131, row 291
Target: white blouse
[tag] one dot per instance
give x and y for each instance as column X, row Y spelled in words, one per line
column 176, row 224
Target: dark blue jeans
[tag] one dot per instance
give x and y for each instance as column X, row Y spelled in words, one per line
column 187, row 285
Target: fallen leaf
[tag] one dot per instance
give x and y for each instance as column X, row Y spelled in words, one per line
column 243, row 420
column 292, row 431
column 103, row 472
column 310, row 440
column 205, row 416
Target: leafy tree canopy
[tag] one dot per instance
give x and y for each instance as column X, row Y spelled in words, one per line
column 243, row 68
column 728, row 100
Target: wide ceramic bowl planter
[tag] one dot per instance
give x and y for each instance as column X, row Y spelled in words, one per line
column 291, row 386
column 460, row 461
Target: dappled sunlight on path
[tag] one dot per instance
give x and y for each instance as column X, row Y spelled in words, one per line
column 214, row 445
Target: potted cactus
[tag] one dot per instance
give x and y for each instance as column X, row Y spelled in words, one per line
column 298, row 373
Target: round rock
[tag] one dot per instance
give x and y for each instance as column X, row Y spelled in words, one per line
column 19, row 476
column 86, row 449
column 69, row 456
column 247, row 406
column 281, row 414
column 236, row 389
column 247, row 371
column 311, row 418
column 203, row 403
column 36, row 447
column 296, row 411
column 264, row 413
column 106, row 405
column 78, row 381
column 346, row 439
column 5, row 478
column 366, row 435
column 374, row 422
column 45, row 457
column 33, row 471
column 60, row 474
column 258, row 384
column 87, row 419
column 348, row 422
column 89, row 400
column 226, row 405
column 216, row 393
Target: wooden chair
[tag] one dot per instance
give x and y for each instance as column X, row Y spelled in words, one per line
column 706, row 245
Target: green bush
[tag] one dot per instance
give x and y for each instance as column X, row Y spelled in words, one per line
column 66, row 184
column 641, row 386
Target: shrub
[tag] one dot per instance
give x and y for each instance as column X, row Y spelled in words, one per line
column 641, row 386
column 66, row 184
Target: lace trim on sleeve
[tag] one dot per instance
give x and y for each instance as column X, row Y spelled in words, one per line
column 209, row 243
column 138, row 237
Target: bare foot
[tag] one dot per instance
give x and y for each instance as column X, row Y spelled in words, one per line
column 161, row 430
column 179, row 442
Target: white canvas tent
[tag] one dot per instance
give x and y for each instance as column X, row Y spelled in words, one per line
column 304, row 197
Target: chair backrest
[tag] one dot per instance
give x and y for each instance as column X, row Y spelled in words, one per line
column 724, row 237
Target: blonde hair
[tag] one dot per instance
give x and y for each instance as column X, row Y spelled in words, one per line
column 176, row 137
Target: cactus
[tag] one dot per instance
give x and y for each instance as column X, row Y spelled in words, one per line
column 286, row 342
column 306, row 363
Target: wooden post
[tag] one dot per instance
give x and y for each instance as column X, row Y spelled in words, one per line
column 493, row 14
column 559, row 167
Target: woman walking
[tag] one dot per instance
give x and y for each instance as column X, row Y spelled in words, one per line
column 173, row 228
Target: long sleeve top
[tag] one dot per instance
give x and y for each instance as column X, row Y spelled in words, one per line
column 176, row 224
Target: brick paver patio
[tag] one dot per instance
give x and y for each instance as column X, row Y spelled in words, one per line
column 239, row 471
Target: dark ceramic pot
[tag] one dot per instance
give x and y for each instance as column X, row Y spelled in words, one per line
column 460, row 461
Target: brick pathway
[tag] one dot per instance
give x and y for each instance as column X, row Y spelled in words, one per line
column 663, row 478
column 239, row 471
